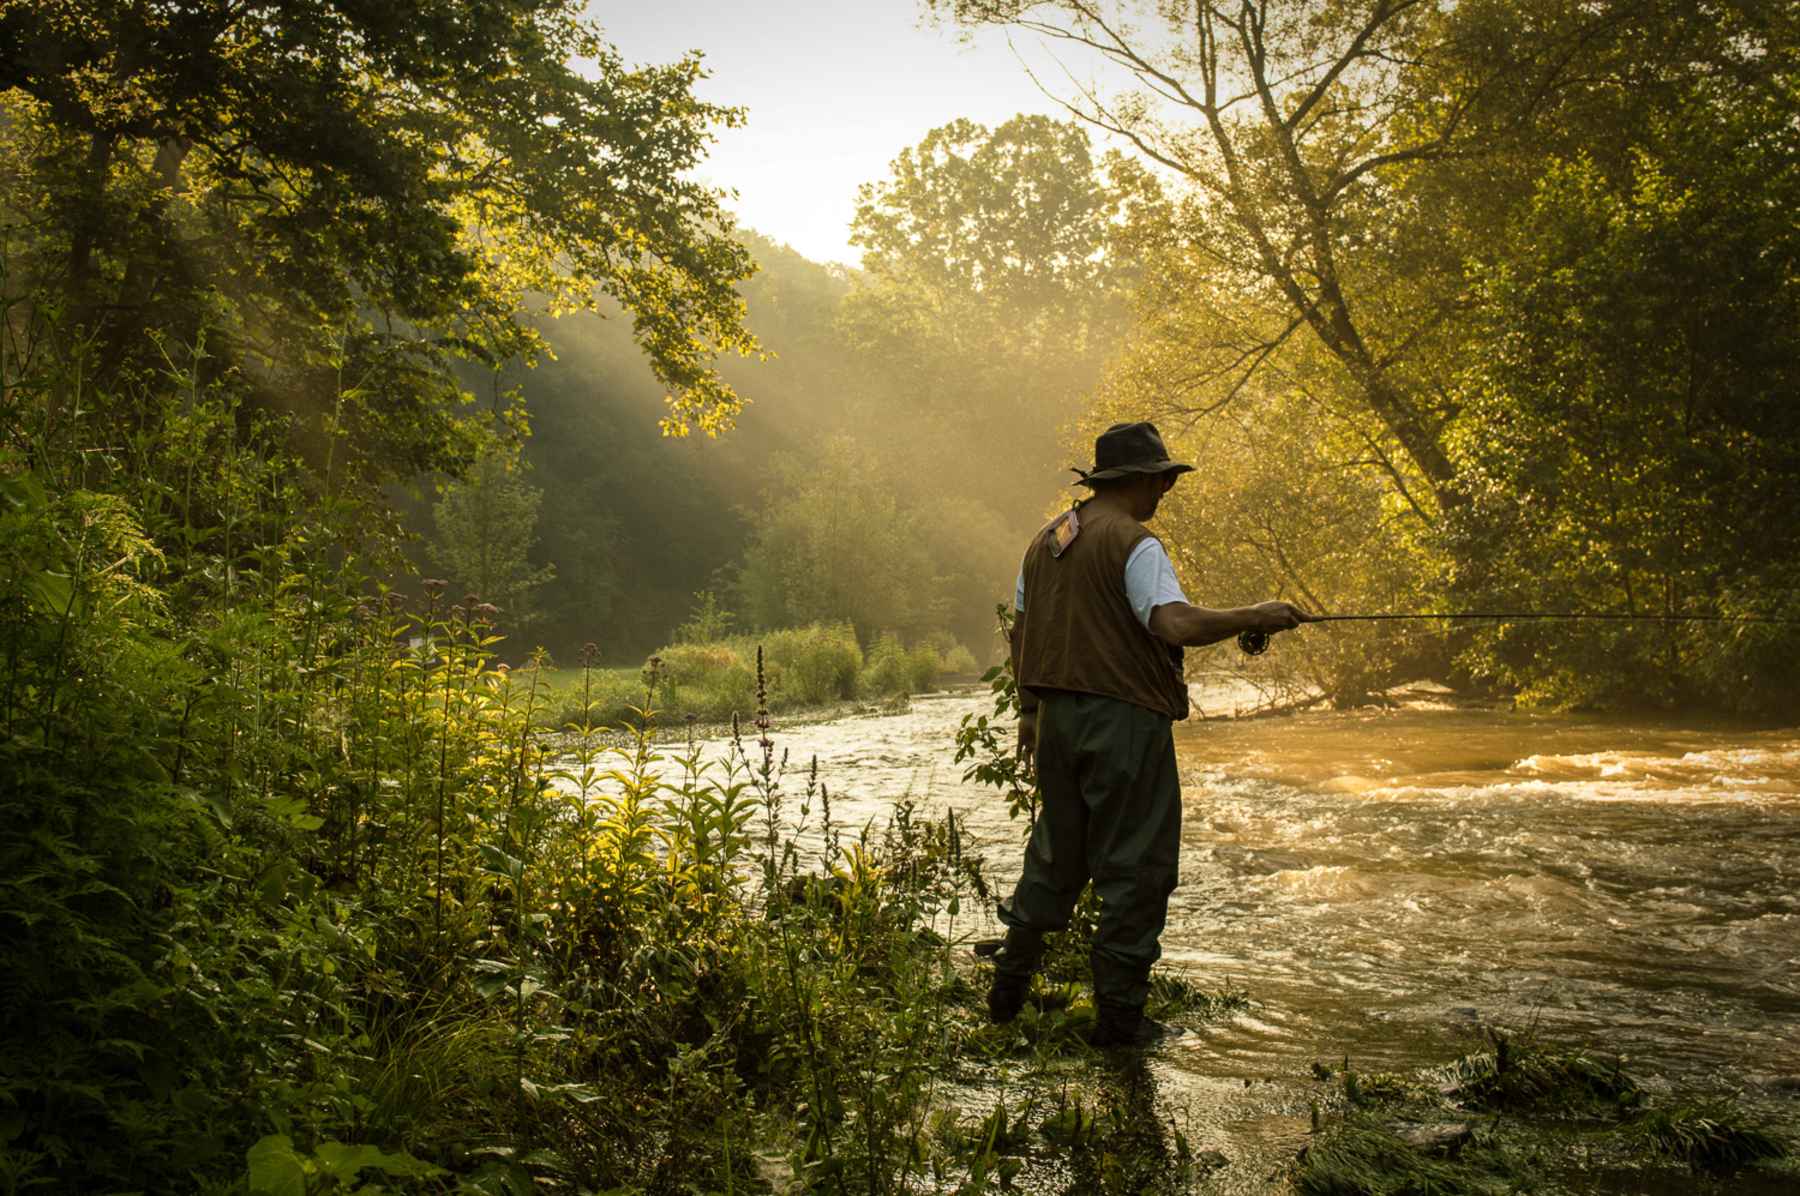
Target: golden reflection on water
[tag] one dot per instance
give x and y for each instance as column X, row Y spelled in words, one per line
column 1420, row 751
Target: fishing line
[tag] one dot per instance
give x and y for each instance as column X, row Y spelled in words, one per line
column 1255, row 643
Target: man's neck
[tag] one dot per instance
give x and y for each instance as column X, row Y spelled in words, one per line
column 1114, row 501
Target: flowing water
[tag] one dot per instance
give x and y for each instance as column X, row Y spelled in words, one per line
column 1382, row 884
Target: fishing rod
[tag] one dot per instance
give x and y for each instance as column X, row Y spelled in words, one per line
column 1255, row 643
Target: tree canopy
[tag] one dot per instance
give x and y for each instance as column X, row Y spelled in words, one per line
column 1486, row 281
column 348, row 191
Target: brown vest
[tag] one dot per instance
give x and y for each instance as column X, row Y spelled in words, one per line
column 1079, row 632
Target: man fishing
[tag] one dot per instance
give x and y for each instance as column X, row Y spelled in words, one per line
column 1097, row 647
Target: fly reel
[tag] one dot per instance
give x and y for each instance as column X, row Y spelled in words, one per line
column 1253, row 643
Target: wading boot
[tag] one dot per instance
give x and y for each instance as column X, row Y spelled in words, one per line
column 1006, row 996
column 1014, row 962
column 1124, row 1027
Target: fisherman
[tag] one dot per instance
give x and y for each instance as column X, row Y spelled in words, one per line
column 1097, row 643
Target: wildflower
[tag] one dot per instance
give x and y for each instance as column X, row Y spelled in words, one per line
column 434, row 586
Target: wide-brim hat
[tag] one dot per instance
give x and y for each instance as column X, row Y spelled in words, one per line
column 1126, row 449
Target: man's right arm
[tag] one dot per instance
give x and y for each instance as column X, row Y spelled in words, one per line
column 1187, row 626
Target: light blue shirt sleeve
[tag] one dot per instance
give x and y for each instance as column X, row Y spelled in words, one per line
column 1149, row 581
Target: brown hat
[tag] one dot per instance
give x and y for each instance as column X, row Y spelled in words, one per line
column 1126, row 449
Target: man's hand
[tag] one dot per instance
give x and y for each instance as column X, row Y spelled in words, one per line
column 1185, row 625
column 1278, row 616
column 1027, row 736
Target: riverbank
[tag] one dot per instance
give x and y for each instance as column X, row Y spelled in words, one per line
column 820, row 669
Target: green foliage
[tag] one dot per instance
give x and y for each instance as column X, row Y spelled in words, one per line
column 708, row 620
column 277, row 1169
column 1362, row 1157
column 314, row 181
column 1631, row 419
column 813, row 665
column 988, row 742
column 486, row 525
column 1518, row 1076
column 807, row 666
column 1020, row 216
column 958, row 661
column 298, row 898
column 1711, row 1137
column 1525, row 1116
column 885, row 674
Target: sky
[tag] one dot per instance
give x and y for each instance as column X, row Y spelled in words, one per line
column 834, row 91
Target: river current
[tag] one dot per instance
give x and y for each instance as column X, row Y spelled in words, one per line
column 1384, row 884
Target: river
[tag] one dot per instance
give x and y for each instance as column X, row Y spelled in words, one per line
column 1384, row 883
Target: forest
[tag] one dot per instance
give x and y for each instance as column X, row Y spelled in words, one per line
column 400, row 451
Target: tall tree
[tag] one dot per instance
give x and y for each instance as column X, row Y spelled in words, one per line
column 1294, row 112
column 995, row 278
column 1345, row 159
column 346, row 195
column 486, row 524
column 1633, row 444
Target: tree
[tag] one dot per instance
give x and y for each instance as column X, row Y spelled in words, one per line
column 1301, row 117
column 996, row 260
column 1632, row 443
column 1021, row 217
column 1346, row 159
column 486, row 528
column 997, row 267
column 346, row 196
column 835, row 538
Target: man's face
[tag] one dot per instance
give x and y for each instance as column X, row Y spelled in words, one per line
column 1150, row 492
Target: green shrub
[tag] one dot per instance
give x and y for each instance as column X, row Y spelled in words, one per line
column 922, row 666
column 613, row 696
column 960, row 662
column 885, row 674
column 714, row 697
column 812, row 665
column 691, row 664
column 1711, row 1137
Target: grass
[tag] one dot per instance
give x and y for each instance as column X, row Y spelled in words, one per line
column 1525, row 1077
column 1711, row 1136
column 1522, row 1117
column 804, row 668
